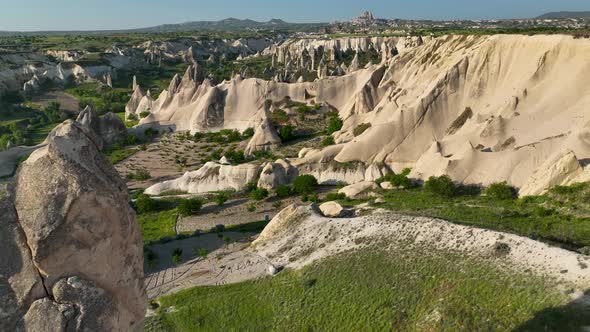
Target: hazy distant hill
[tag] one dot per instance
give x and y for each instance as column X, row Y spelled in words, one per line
column 226, row 25
column 557, row 15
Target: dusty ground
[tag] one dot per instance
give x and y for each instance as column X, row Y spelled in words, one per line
column 225, row 263
column 67, row 102
column 311, row 237
column 234, row 212
column 161, row 158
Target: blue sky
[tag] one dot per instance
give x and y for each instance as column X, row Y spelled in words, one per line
column 27, row 15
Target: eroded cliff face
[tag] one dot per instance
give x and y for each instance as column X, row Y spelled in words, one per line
column 481, row 109
column 74, row 254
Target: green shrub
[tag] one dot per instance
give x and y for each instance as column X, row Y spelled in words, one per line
column 220, row 198
column 151, row 258
column 236, row 156
column 259, row 194
column 251, row 207
column 250, row 186
column 150, row 133
column 501, row 191
column 314, row 198
column 177, row 256
column 283, row 191
column 144, row 204
column 277, row 204
column 360, row 129
column 328, row 140
column 335, row 196
column 144, row 114
column 305, row 184
column 287, row 133
column 334, row 124
column 442, row 185
column 189, row 207
column 249, row 132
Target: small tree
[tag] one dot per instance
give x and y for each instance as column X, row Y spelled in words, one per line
column 189, row 207
column 287, row 133
column 442, row 185
column 305, row 184
column 259, row 194
column 220, row 198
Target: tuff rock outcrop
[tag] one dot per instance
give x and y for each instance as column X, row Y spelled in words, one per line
column 109, row 127
column 72, row 254
column 211, row 177
column 275, row 174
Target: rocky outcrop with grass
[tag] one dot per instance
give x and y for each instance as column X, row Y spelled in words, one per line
column 72, row 254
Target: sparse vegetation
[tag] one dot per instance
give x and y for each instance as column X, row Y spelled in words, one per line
column 399, row 290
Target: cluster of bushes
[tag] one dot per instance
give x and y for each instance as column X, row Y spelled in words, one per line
column 223, row 136
column 100, row 98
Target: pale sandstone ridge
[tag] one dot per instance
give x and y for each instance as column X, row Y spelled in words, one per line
column 211, row 177
column 74, row 256
column 481, row 109
column 299, row 235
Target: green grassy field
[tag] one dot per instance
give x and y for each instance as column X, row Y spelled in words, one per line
column 561, row 217
column 374, row 290
column 156, row 225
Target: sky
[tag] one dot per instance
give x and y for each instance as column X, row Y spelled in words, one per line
column 35, row 15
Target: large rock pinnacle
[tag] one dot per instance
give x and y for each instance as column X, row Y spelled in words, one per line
column 81, row 253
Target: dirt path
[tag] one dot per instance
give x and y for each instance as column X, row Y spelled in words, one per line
column 225, row 263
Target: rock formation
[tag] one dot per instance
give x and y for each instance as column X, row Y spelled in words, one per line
column 211, row 177
column 72, row 254
column 416, row 104
column 275, row 174
column 109, row 127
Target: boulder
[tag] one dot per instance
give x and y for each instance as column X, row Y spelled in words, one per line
column 73, row 210
column 331, row 209
column 275, row 174
column 288, row 218
column 211, row 177
column 358, row 190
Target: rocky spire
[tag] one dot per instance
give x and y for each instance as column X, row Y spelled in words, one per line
column 355, row 64
column 174, row 85
column 135, row 85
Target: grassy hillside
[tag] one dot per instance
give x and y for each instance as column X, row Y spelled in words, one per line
column 375, row 290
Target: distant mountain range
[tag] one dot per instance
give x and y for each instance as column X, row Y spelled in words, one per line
column 226, row 25
column 229, row 24
column 559, row 15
